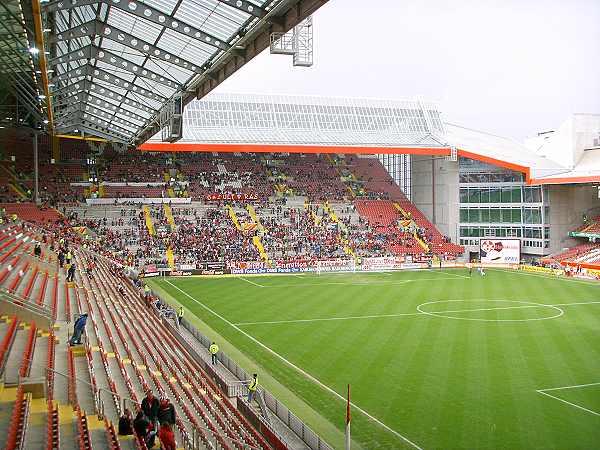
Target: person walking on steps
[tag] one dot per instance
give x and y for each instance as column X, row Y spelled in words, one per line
column 78, row 329
column 71, row 273
column 180, row 315
column 252, row 387
column 213, row 349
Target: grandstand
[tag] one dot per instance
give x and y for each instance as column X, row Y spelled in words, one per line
column 320, row 242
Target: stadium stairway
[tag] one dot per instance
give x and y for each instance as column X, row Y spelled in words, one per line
column 147, row 356
column 40, row 408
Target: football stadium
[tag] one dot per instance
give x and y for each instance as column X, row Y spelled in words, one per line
column 186, row 268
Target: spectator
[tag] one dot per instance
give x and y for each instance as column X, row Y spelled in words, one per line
column 71, row 273
column 150, row 406
column 37, row 251
column 78, row 329
column 213, row 349
column 252, row 387
column 167, row 437
column 180, row 315
column 166, row 412
column 61, row 258
column 144, row 429
column 125, row 424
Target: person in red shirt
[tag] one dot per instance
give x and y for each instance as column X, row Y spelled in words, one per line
column 167, row 437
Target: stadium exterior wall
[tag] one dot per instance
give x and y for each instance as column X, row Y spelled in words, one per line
column 568, row 204
column 427, row 172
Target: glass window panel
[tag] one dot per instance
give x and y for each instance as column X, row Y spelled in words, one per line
column 516, row 194
column 473, row 195
column 495, row 215
column 485, row 195
column 516, row 215
column 464, row 195
column 495, row 195
column 464, row 215
column 506, row 195
column 485, row 215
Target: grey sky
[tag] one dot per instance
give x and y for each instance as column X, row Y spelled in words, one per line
column 511, row 67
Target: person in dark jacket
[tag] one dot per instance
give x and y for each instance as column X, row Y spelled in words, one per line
column 61, row 259
column 37, row 251
column 144, row 429
column 78, row 329
column 71, row 273
column 166, row 412
column 126, row 424
column 151, row 406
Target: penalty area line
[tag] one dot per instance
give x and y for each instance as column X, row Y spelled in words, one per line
column 298, row 369
column 543, row 392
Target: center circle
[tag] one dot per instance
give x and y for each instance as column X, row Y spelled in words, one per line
column 444, row 314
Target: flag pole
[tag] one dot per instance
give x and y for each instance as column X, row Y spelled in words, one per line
column 348, row 421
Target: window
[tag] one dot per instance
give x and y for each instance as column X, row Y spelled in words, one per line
column 495, row 195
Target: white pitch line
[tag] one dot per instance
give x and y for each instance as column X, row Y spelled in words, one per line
column 326, row 319
column 575, row 303
column 568, row 403
column 356, row 283
column 304, row 373
column 380, row 316
column 548, row 277
column 574, row 386
column 251, row 282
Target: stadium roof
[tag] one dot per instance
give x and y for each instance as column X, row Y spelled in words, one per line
column 262, row 123
column 110, row 67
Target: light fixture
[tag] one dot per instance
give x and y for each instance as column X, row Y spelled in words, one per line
column 76, row 130
column 46, row 121
column 41, row 96
column 33, row 51
column 47, row 30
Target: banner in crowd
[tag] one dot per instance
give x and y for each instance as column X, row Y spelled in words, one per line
column 382, row 263
column 218, row 197
column 500, row 251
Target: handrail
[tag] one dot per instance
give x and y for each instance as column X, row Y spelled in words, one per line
column 195, row 443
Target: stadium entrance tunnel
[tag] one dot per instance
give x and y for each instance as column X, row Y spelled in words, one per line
column 481, row 310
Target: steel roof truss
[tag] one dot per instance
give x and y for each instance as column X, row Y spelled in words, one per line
column 149, row 13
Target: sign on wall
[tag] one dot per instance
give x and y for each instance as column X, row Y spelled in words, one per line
column 500, row 251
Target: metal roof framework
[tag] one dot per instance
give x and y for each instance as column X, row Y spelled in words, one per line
column 310, row 120
column 116, row 64
column 20, row 68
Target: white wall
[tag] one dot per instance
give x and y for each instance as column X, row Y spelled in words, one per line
column 446, row 192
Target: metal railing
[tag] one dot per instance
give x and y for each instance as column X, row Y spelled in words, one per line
column 240, row 389
column 191, row 440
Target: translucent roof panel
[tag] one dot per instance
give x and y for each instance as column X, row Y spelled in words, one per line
column 232, row 118
column 143, row 51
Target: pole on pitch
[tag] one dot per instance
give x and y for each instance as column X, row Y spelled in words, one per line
column 348, row 421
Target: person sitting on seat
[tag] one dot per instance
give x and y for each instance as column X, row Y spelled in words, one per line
column 126, row 424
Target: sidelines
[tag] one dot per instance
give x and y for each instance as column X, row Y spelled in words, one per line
column 548, row 277
column 298, row 369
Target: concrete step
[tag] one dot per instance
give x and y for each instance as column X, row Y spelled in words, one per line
column 36, row 434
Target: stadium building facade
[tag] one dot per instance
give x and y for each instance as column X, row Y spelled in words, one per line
column 470, row 184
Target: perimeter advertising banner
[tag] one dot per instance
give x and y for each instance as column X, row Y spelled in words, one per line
column 500, row 251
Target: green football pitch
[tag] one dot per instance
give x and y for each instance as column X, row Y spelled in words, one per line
column 435, row 359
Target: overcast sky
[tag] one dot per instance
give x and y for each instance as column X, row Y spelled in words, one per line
column 510, row 67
